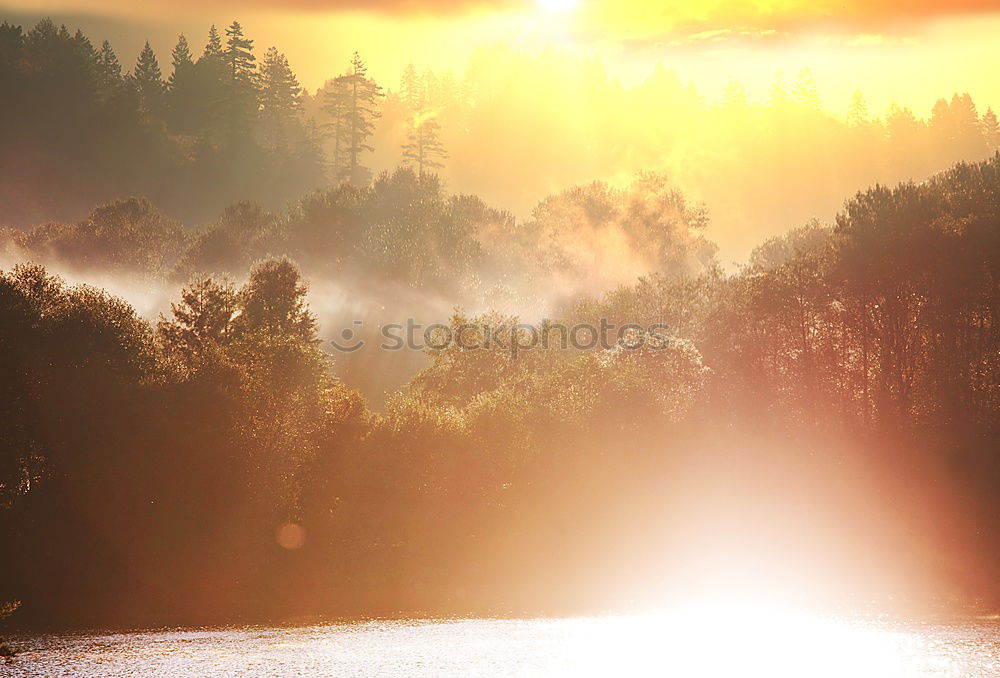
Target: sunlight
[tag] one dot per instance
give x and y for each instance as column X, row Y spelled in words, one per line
column 758, row 641
column 558, row 5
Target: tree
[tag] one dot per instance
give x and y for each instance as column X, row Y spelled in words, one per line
column 109, row 70
column 213, row 48
column 279, row 98
column 355, row 102
column 241, row 85
column 181, row 60
column 239, row 54
column 411, row 91
column 423, row 148
column 991, row 130
column 857, row 112
column 149, row 81
column 182, row 88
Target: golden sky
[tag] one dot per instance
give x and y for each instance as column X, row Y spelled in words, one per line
column 909, row 51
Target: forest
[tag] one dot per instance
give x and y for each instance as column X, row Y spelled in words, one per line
column 219, row 461
column 221, row 119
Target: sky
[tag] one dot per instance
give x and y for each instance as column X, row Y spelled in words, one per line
column 909, row 52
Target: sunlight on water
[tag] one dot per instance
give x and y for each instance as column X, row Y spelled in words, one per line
column 709, row 642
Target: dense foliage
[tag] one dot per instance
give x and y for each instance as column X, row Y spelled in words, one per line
column 210, row 466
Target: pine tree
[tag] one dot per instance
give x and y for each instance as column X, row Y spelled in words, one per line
column 335, row 105
column 241, row 86
column 149, row 81
column 857, row 113
column 206, row 111
column 280, row 92
column 968, row 129
column 423, row 149
column 108, row 68
column 213, row 48
column 411, row 90
column 355, row 101
column 239, row 54
column 181, row 60
column 182, row 89
column 991, row 130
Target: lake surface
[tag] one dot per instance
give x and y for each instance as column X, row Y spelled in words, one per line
column 707, row 643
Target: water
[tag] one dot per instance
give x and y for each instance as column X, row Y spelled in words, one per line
column 688, row 644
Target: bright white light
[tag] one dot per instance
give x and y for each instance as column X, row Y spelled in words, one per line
column 558, row 5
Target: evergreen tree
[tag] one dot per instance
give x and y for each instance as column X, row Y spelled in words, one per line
column 242, row 94
column 360, row 111
column 213, row 48
column 991, row 130
column 239, row 54
column 108, row 68
column 411, row 90
column 423, row 149
column 181, row 60
column 279, row 96
column 857, row 112
column 149, row 81
column 182, row 89
column 335, row 105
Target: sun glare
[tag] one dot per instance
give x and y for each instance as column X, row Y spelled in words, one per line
column 557, row 5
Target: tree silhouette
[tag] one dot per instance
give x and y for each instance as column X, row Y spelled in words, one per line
column 149, row 81
column 858, row 114
column 991, row 130
column 423, row 148
column 241, row 86
column 353, row 101
column 109, row 68
column 279, row 98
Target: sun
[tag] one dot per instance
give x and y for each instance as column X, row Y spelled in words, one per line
column 557, row 5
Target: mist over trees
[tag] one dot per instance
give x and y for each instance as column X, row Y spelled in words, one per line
column 219, row 462
column 221, row 120
column 140, row 461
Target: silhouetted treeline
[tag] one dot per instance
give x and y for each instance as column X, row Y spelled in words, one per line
column 402, row 229
column 79, row 126
column 150, row 474
column 221, row 120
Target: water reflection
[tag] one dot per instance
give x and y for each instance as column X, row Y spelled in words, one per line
column 711, row 642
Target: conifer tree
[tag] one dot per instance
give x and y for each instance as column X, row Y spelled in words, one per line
column 279, row 96
column 241, row 94
column 991, row 130
column 857, row 113
column 213, row 48
column 181, row 60
column 108, row 68
column 182, row 96
column 354, row 100
column 149, row 81
column 423, row 149
column 411, row 90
